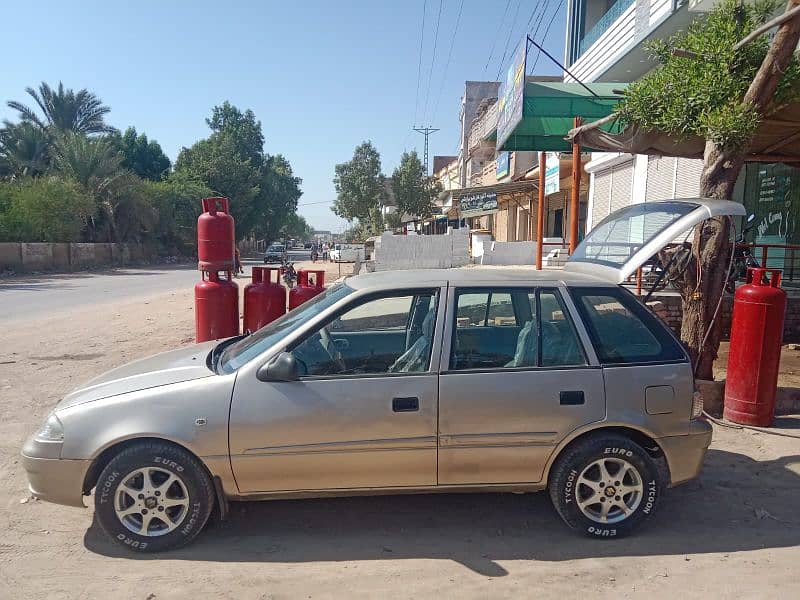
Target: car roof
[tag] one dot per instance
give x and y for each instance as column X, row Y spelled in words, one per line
column 469, row 276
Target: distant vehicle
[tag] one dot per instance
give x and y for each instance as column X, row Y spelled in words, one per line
column 347, row 252
column 275, row 253
column 307, row 245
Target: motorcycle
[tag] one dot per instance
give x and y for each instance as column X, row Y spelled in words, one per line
column 288, row 274
column 742, row 258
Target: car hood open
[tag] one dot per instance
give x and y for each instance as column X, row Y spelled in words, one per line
column 175, row 366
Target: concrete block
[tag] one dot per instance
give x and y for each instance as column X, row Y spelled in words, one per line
column 10, row 256
column 82, row 255
column 37, row 256
column 60, row 257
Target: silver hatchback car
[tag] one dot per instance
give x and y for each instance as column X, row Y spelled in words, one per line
column 401, row 382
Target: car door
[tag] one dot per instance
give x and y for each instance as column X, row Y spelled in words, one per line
column 363, row 412
column 506, row 402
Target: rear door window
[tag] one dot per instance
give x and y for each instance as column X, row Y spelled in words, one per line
column 623, row 331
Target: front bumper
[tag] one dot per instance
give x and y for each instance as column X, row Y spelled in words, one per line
column 685, row 453
column 56, row 480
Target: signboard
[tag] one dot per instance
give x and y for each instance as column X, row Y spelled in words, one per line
column 552, row 178
column 510, row 96
column 502, row 164
column 475, row 205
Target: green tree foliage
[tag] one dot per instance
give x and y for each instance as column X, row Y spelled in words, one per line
column 66, row 176
column 413, row 191
column 360, row 186
column 703, row 95
column 43, row 209
column 141, row 156
column 231, row 161
column 296, row 227
column 64, row 110
column 24, row 149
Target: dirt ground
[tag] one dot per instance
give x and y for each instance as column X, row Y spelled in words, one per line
column 733, row 533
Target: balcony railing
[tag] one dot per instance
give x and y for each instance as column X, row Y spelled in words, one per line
column 481, row 128
column 614, row 13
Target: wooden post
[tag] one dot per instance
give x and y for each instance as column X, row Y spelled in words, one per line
column 540, row 211
column 530, row 215
column 576, row 193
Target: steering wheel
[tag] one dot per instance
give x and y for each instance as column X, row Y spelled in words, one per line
column 326, row 342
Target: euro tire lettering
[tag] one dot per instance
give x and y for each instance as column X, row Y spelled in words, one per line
column 168, row 463
column 619, row 451
column 600, row 532
column 131, row 542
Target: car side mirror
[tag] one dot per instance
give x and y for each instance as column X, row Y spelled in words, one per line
column 282, row 368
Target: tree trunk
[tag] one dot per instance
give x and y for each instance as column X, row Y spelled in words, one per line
column 704, row 277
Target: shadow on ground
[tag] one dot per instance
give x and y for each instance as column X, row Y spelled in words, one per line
column 738, row 504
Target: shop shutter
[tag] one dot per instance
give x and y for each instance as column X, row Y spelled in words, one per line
column 601, row 197
column 687, row 184
column 660, row 175
column 621, row 186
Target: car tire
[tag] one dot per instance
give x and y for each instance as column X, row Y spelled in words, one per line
column 176, row 503
column 586, row 480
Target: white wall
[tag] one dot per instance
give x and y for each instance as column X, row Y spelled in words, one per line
column 397, row 252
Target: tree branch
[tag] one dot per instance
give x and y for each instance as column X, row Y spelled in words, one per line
column 793, row 12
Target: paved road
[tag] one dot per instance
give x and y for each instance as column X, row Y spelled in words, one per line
column 37, row 296
column 34, row 296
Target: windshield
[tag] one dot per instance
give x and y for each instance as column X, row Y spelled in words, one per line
column 248, row 348
column 276, row 248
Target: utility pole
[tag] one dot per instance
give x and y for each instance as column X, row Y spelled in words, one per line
column 426, row 131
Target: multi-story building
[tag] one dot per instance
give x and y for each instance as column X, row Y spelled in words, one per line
column 605, row 42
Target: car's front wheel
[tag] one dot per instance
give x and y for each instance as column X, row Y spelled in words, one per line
column 153, row 496
column 605, row 486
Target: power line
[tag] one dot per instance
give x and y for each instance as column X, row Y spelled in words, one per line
column 447, row 63
column 546, row 31
column 496, row 35
column 540, row 20
column 419, row 65
column 508, row 40
column 433, row 59
column 313, row 203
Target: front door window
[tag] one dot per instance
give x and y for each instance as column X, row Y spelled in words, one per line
column 388, row 334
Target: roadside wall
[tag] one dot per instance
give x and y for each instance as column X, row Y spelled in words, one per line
column 668, row 307
column 393, row 252
column 21, row 257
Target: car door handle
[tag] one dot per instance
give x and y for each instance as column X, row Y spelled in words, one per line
column 405, row 404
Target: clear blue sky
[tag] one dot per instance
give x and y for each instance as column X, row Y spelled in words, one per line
column 322, row 76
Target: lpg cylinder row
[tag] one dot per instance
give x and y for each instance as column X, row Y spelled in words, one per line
column 216, row 295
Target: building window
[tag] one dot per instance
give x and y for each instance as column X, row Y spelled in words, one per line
column 590, row 19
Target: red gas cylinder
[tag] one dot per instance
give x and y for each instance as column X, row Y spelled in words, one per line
column 755, row 352
column 216, row 307
column 264, row 300
column 306, row 287
column 215, row 236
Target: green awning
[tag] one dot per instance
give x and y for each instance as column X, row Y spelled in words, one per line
column 548, row 111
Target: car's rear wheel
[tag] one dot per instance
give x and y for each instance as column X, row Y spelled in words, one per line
column 605, row 486
column 153, row 496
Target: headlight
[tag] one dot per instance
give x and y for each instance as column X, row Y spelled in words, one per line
column 697, row 405
column 51, row 431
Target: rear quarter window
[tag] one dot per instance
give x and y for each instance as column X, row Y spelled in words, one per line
column 622, row 330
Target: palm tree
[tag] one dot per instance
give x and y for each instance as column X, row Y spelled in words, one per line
column 65, row 110
column 23, row 149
